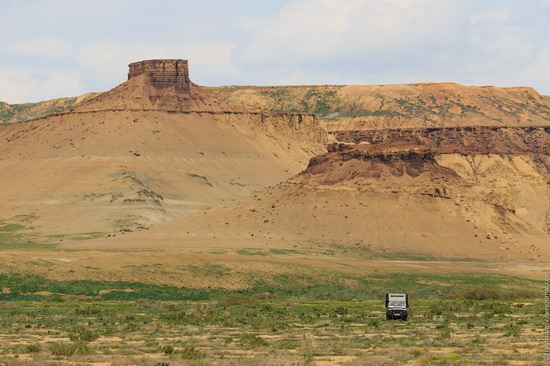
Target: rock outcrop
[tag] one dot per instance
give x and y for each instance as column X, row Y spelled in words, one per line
column 160, row 85
column 511, row 140
column 163, row 74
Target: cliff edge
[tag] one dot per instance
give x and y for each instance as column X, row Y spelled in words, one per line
column 160, row 85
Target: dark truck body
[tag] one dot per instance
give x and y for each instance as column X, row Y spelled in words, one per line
column 397, row 306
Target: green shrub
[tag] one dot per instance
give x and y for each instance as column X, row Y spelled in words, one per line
column 69, row 349
column 512, row 330
column 477, row 294
column 436, row 309
column 191, row 353
column 252, row 340
column 341, row 310
column 168, row 350
column 484, row 293
column 236, row 300
column 34, row 348
column 375, row 323
column 84, row 335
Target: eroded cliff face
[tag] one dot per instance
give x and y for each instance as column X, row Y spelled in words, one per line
column 461, row 140
column 504, row 168
column 159, row 85
column 521, row 181
column 163, row 74
column 154, row 148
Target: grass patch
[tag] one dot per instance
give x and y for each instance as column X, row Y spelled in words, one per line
column 368, row 253
column 326, row 286
column 251, row 340
column 252, row 251
column 9, row 228
column 25, row 287
column 481, row 293
column 286, row 251
column 69, row 349
column 315, row 329
column 209, row 270
column 17, row 236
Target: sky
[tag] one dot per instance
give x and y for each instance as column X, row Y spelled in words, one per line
column 59, row 48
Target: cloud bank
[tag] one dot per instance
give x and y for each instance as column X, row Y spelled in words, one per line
column 59, row 47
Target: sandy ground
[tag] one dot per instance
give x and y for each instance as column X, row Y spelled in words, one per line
column 198, row 268
column 110, row 170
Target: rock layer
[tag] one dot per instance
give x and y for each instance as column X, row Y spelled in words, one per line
column 163, row 74
column 463, row 140
column 159, row 85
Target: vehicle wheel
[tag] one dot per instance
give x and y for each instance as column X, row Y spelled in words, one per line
column 405, row 318
column 388, row 317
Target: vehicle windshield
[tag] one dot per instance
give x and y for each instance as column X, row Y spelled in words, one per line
column 396, row 303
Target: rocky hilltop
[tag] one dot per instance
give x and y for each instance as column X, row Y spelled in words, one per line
column 152, row 149
column 357, row 107
column 160, row 85
column 163, row 74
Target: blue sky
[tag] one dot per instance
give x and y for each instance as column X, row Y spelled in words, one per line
column 56, row 48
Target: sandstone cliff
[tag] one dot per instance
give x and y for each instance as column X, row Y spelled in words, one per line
column 161, row 85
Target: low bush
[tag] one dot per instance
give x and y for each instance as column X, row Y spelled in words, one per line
column 252, row 340
column 69, row 349
column 236, row 300
column 83, row 334
column 34, row 348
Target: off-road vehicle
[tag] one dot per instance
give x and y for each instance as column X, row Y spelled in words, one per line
column 397, row 306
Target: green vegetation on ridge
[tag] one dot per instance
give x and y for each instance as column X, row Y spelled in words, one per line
column 338, row 287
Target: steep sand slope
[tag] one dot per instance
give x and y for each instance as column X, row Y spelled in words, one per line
column 108, row 171
column 389, row 198
column 138, row 94
column 152, row 149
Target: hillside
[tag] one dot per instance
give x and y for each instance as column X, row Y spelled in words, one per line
column 166, row 171
column 357, row 107
column 121, row 162
column 350, row 107
column 29, row 111
column 386, row 200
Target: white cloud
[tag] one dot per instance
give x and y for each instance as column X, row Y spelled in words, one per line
column 281, row 42
column 15, row 84
column 312, row 77
column 312, row 31
column 396, row 41
column 42, row 47
column 537, row 74
column 501, row 14
column 21, row 85
column 107, row 61
column 59, row 83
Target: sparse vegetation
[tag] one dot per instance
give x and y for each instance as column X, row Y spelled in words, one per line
column 69, row 349
column 293, row 328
